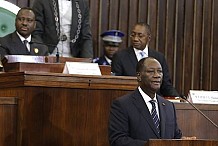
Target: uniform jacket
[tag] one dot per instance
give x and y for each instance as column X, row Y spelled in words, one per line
column 101, row 61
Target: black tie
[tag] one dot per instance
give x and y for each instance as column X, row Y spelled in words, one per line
column 155, row 116
column 25, row 43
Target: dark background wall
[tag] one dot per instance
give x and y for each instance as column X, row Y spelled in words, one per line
column 184, row 30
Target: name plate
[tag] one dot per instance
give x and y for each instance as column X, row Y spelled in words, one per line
column 81, row 68
column 203, row 97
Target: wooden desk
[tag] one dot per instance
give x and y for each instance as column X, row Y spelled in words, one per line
column 62, row 110
column 22, row 63
column 8, row 121
column 179, row 142
column 192, row 123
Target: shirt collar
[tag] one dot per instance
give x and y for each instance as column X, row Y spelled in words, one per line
column 145, row 50
column 22, row 38
column 145, row 96
column 137, row 52
column 108, row 60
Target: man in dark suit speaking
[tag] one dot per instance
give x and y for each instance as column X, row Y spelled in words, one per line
column 142, row 115
column 125, row 60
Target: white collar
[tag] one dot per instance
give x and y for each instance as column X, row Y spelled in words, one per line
column 137, row 52
column 145, row 50
column 108, row 60
column 22, row 38
column 145, row 96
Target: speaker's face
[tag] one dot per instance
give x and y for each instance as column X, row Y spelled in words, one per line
column 151, row 75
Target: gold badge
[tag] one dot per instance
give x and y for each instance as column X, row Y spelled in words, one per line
column 36, row 50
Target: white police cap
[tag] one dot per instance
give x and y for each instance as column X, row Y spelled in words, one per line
column 112, row 36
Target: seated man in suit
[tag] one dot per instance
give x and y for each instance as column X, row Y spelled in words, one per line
column 20, row 42
column 143, row 114
column 125, row 60
column 111, row 41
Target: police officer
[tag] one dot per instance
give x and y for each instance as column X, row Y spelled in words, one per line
column 111, row 42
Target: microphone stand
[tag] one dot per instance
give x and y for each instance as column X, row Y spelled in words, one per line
column 57, row 56
column 184, row 98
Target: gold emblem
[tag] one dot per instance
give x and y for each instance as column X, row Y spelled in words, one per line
column 36, row 50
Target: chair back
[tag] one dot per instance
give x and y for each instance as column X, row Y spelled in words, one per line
column 8, row 12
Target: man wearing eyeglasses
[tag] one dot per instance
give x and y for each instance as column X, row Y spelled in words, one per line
column 124, row 61
column 19, row 41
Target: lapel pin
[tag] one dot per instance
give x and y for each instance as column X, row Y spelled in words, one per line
column 36, row 50
column 163, row 104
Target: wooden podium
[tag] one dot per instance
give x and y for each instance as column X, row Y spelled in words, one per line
column 181, row 142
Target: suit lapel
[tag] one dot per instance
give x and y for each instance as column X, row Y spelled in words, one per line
column 151, row 53
column 132, row 57
column 18, row 45
column 143, row 109
column 162, row 114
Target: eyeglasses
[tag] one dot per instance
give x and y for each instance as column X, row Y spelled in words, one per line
column 138, row 35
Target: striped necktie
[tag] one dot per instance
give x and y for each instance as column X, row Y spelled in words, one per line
column 155, row 116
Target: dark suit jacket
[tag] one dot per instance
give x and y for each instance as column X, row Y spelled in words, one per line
column 124, row 64
column 12, row 45
column 101, row 61
column 46, row 27
column 131, row 124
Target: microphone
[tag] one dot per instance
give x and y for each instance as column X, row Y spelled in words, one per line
column 185, row 98
column 51, row 45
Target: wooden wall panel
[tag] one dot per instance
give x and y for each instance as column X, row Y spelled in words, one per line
column 197, row 30
column 184, row 30
column 142, row 10
column 188, row 43
column 206, row 42
column 168, row 27
column 95, row 21
column 123, row 22
column 214, row 82
column 179, row 46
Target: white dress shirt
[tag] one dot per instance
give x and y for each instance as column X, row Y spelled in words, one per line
column 28, row 39
column 138, row 53
column 147, row 101
column 65, row 13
